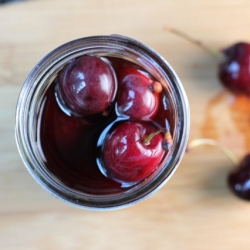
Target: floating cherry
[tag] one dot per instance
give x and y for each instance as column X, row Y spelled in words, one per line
column 132, row 151
column 138, row 94
column 87, row 86
column 234, row 63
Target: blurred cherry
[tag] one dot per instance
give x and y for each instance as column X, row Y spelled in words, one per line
column 234, row 63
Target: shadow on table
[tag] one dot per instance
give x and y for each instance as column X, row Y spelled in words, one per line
column 10, row 1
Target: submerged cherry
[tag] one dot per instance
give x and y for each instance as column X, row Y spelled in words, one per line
column 128, row 156
column 234, row 63
column 239, row 179
column 87, row 85
column 138, row 95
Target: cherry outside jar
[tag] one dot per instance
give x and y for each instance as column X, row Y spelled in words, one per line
column 30, row 138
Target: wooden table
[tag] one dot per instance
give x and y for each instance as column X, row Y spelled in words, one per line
column 195, row 209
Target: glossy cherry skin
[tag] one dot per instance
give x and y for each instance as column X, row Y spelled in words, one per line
column 87, row 85
column 239, row 180
column 126, row 157
column 234, row 70
column 136, row 98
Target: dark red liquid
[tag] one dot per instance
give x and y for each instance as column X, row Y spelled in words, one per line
column 69, row 144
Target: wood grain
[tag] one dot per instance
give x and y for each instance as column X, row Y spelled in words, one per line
column 195, row 209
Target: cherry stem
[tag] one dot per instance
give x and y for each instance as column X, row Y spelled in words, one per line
column 211, row 142
column 215, row 53
column 168, row 140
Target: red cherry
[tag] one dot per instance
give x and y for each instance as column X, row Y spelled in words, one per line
column 127, row 157
column 138, row 94
column 87, row 85
column 234, row 70
column 239, row 179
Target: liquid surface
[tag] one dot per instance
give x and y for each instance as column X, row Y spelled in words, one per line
column 69, row 144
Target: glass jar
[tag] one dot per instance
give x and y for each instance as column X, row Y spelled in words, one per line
column 31, row 101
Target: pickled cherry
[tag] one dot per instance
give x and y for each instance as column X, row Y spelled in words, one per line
column 137, row 97
column 86, row 86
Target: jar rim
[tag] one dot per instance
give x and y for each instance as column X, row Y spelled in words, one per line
column 52, row 63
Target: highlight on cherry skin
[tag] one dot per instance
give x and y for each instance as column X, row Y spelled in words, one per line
column 138, row 94
column 233, row 66
column 133, row 150
column 238, row 179
column 234, row 71
column 87, row 85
